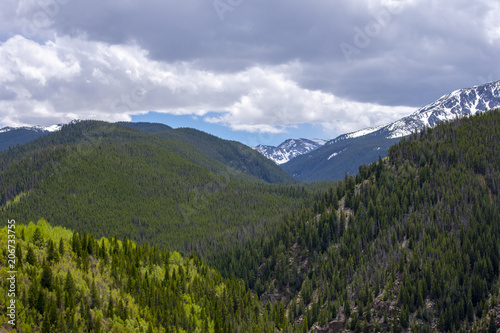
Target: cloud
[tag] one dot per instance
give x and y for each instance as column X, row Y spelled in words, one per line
column 75, row 77
column 265, row 66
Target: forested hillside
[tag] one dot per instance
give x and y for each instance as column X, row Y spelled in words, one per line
column 108, row 180
column 232, row 154
column 72, row 282
column 411, row 242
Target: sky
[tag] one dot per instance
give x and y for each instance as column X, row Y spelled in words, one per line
column 254, row 71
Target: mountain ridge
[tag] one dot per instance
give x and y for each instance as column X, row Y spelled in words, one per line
column 465, row 101
column 289, row 149
column 366, row 145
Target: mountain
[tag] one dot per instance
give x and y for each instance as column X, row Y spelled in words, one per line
column 204, row 149
column 410, row 244
column 347, row 152
column 218, row 155
column 459, row 103
column 111, row 179
column 11, row 136
column 289, row 149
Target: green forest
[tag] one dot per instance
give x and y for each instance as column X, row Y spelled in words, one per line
column 72, row 282
column 111, row 180
column 409, row 243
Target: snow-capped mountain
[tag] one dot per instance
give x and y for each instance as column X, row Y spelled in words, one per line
column 459, row 103
column 348, row 151
column 36, row 129
column 13, row 136
column 289, row 149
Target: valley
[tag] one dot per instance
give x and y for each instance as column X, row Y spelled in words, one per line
column 158, row 234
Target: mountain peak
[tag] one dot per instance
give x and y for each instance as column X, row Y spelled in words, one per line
column 38, row 128
column 459, row 103
column 348, row 151
column 289, row 149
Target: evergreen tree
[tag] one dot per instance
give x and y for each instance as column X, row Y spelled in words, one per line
column 46, row 279
column 19, row 255
column 492, row 327
column 69, row 291
column 61, row 247
column 94, row 296
column 37, row 238
column 30, row 257
column 110, row 309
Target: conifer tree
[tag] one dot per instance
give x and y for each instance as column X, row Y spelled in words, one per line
column 94, row 296
column 52, row 254
column 40, row 301
column 37, row 238
column 46, row 324
column 19, row 255
column 61, row 247
column 69, row 291
column 46, row 279
column 30, row 256
column 492, row 327
column 110, row 306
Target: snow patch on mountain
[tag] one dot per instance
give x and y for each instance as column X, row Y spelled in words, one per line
column 336, row 154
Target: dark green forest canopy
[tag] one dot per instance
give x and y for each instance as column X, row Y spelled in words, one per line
column 109, row 179
column 413, row 241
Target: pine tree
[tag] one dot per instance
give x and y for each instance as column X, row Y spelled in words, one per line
column 94, row 296
column 30, row 256
column 69, row 291
column 37, row 238
column 304, row 326
column 19, row 255
column 46, row 279
column 52, row 254
column 110, row 306
column 52, row 312
column 46, row 324
column 61, row 247
column 98, row 324
column 492, row 327
column 40, row 301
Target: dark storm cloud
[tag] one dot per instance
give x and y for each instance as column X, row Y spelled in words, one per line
column 440, row 45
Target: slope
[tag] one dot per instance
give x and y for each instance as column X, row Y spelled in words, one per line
column 67, row 281
column 231, row 154
column 332, row 160
column 365, row 146
column 411, row 242
column 17, row 136
column 109, row 180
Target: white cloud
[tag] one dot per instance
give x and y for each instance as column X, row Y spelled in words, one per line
column 74, row 77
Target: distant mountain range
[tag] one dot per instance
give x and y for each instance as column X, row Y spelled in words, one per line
column 289, row 149
column 314, row 159
column 347, row 152
column 12, row 136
